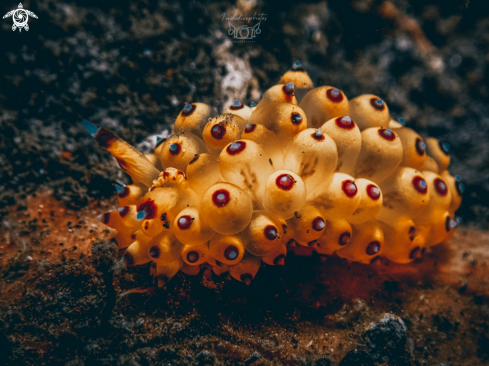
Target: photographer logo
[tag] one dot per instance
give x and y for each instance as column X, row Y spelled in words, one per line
column 244, row 33
column 20, row 17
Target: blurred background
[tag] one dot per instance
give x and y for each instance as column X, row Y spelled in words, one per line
column 131, row 66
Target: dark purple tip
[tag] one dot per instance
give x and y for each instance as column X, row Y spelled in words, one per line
column 154, row 252
column 334, row 95
column 420, row 184
column 285, row 182
column 231, row 253
column 188, row 110
column 296, row 66
column 221, row 197
column 288, row 88
column 373, row 248
column 236, row 147
column 236, row 105
column 387, row 134
column 270, row 232
column 377, row 103
column 345, row 122
column 349, row 187
column 420, row 147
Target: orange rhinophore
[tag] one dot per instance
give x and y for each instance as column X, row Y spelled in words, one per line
column 129, row 159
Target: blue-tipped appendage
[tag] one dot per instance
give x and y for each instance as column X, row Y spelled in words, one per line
column 90, row 127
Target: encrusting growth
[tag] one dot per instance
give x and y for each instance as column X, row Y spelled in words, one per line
column 304, row 168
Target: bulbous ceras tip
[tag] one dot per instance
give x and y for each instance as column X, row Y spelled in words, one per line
column 377, row 103
column 334, row 95
column 285, row 182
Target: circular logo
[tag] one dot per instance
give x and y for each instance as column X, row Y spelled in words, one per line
column 20, row 18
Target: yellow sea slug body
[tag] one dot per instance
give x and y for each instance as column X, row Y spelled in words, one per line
column 319, row 172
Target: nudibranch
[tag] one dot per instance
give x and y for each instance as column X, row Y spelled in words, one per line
column 304, row 170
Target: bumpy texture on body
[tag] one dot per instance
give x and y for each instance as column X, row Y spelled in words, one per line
column 304, row 170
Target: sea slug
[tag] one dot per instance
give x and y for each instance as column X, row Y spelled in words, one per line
column 306, row 169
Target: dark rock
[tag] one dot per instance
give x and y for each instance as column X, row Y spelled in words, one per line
column 390, row 329
column 255, row 356
column 387, row 338
column 5, row 347
column 357, row 358
column 206, row 358
column 322, row 362
column 75, row 362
